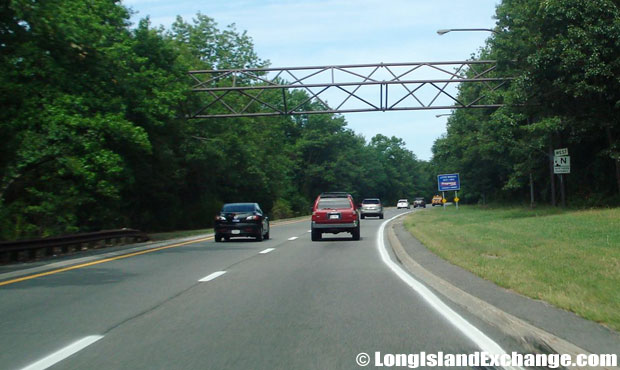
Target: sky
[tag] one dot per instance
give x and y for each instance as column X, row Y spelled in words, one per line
column 292, row 33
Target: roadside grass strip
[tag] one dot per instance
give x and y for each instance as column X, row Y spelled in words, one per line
column 480, row 339
column 570, row 258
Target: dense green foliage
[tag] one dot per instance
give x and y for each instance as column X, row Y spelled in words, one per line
column 94, row 133
column 566, row 57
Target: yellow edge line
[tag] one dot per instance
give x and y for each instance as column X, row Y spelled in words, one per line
column 75, row 267
column 100, row 261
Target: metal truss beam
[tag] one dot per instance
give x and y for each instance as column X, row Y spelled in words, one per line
column 361, row 88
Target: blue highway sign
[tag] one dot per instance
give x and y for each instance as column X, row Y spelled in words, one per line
column 448, row 182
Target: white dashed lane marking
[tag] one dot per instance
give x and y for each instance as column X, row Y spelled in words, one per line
column 60, row 355
column 212, row 276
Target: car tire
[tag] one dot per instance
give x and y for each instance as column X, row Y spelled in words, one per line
column 362, row 217
column 356, row 233
column 259, row 237
column 266, row 237
column 218, row 238
column 315, row 235
column 381, row 216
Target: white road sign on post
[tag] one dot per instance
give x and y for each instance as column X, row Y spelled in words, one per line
column 561, row 164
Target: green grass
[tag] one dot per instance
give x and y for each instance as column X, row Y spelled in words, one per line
column 570, row 259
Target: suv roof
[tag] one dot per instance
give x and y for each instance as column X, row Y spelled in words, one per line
column 335, row 194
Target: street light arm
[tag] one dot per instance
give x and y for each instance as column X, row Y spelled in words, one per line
column 444, row 31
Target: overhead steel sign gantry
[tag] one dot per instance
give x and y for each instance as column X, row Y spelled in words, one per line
column 344, row 88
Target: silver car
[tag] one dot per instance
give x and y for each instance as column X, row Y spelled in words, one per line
column 371, row 207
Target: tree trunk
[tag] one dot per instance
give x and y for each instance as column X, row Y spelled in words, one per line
column 531, row 191
column 6, row 184
column 610, row 139
column 562, row 191
column 552, row 175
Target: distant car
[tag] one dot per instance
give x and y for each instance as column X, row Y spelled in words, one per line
column 241, row 219
column 334, row 213
column 436, row 201
column 371, row 207
column 403, row 203
column 419, row 202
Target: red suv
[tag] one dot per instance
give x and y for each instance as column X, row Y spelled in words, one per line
column 335, row 213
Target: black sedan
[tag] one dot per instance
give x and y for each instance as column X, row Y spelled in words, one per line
column 241, row 219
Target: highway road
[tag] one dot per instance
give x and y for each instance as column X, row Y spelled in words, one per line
column 284, row 303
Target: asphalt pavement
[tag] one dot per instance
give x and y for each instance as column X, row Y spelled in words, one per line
column 284, row 303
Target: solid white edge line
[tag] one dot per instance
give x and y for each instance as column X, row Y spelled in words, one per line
column 293, row 237
column 485, row 343
column 267, row 250
column 60, row 355
column 212, row 276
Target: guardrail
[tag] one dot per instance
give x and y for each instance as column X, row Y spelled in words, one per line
column 31, row 249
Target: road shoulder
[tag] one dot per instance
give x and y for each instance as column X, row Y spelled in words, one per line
column 536, row 324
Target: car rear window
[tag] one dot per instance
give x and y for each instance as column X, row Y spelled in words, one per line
column 334, row 203
column 402, row 200
column 238, row 208
column 370, row 201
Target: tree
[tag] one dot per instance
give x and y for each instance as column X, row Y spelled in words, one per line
column 66, row 120
column 565, row 57
column 567, row 53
